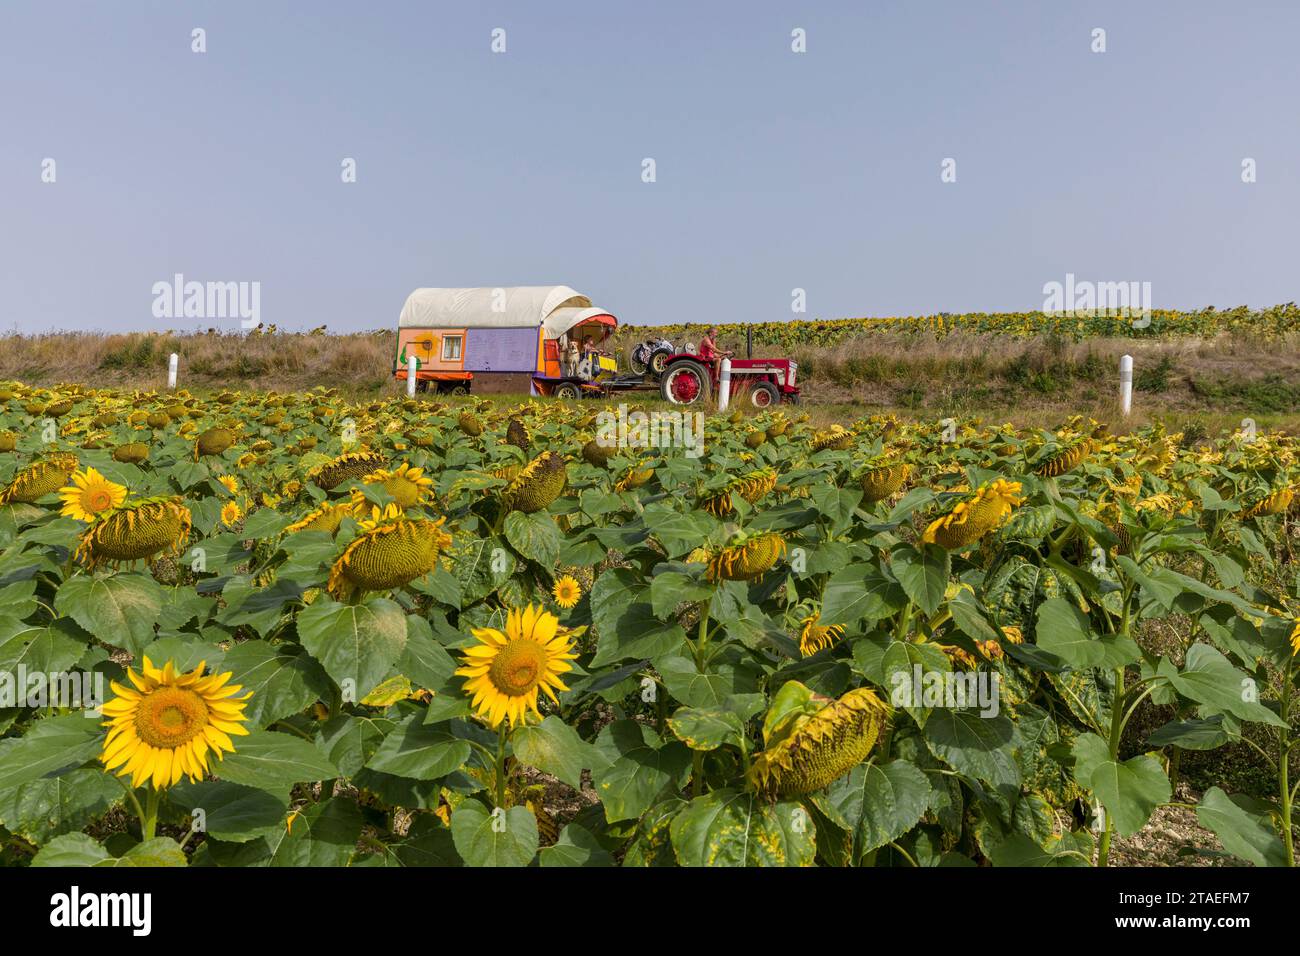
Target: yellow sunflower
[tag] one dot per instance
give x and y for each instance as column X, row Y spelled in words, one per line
column 408, row 486
column 229, row 482
column 975, row 517
column 506, row 670
column 816, row 636
column 231, row 513
column 90, row 495
column 567, row 592
column 164, row 727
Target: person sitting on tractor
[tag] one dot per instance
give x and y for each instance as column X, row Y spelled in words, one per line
column 709, row 350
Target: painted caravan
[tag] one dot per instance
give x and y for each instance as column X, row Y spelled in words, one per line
column 543, row 340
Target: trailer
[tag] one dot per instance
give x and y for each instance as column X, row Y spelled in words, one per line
column 543, row 340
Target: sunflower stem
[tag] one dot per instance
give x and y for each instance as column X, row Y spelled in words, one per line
column 149, row 822
column 501, row 766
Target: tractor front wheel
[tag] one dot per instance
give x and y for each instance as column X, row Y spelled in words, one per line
column 686, row 383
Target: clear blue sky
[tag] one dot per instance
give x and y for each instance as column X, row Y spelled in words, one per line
column 775, row 170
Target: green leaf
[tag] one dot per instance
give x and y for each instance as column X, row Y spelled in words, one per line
column 980, row 747
column 577, row 846
column 860, row 591
column 735, row 828
column 706, row 729
column 51, row 745
column 638, row 768
column 1243, row 834
column 44, row 808
column 923, row 574
column 625, row 620
column 420, row 751
column 534, row 536
column 273, row 762
column 496, row 838
column 1063, row 630
column 120, row 610
column 283, row 680
column 230, row 811
column 1209, row 678
column 554, row 747
column 324, row 834
column 356, row 644
column 1130, row 791
column 71, row 849
column 881, row 802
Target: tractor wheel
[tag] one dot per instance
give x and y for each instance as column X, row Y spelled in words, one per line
column 764, row 395
column 659, row 362
column 636, row 365
column 459, row 390
column 686, row 383
column 567, row 390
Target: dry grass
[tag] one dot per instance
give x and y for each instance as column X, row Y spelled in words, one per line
column 1035, row 382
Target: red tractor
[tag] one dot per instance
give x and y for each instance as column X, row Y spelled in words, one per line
column 687, row 379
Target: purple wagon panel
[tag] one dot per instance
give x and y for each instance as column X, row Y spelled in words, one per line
column 501, row 350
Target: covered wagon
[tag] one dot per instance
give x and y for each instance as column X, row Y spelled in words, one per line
column 543, row 340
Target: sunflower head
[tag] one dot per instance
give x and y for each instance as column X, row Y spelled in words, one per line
column 408, row 486
column 538, row 484
column 815, row 636
column 325, row 517
column 1058, row 463
column 835, row 438
column 230, row 514
column 1275, row 503
column 167, row 723
column 391, row 550
column 505, row 670
column 566, row 591
column 746, row 560
column 90, row 495
column 353, row 464
column 881, row 482
column 975, row 517
column 139, row 531
column 39, row 479
column 229, row 482
column 213, row 442
column 8, row 441
column 815, row 740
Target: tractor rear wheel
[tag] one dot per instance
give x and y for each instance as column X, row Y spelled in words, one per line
column 764, row 395
column 686, row 383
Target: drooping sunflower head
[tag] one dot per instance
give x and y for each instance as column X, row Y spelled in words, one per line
column 167, row 724
column 817, row 739
column 349, row 465
column 635, row 477
column 8, row 441
column 408, row 486
column 1059, row 462
column 975, row 517
column 747, row 559
column 90, row 495
column 880, row 482
column 391, row 550
column 538, row 484
column 1274, row 503
column 566, row 591
column 39, row 479
column 327, row 516
column 469, row 424
column 213, row 442
column 815, row 636
column 505, row 671
column 131, row 453
column 136, row 532
column 594, row 453
column 835, row 438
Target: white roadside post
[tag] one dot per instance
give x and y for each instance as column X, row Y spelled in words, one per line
column 410, row 376
column 172, row 364
column 724, row 385
column 1126, row 384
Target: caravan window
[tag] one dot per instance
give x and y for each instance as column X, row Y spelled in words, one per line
column 451, row 348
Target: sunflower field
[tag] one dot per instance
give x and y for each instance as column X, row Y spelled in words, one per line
column 1272, row 323
column 291, row 629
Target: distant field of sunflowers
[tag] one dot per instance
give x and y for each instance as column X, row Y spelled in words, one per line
column 1281, row 320
column 401, row 632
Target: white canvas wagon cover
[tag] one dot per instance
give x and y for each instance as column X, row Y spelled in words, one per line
column 556, row 307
